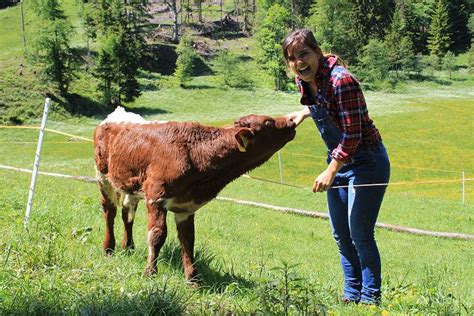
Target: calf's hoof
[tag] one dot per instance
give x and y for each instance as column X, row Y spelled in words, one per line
column 108, row 252
column 149, row 271
column 193, row 279
column 128, row 246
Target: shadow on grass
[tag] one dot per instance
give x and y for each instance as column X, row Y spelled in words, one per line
column 83, row 105
column 196, row 87
column 144, row 111
column 214, row 276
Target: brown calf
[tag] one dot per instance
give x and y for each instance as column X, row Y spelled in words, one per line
column 175, row 167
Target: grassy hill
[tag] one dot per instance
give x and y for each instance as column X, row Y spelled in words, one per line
column 253, row 260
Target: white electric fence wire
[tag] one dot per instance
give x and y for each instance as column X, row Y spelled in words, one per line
column 36, row 163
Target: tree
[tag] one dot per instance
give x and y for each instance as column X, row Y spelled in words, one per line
column 270, row 38
column 370, row 19
column 398, row 44
column 416, row 15
column 119, row 27
column 458, row 11
column 184, row 63
column 439, row 38
column 374, row 62
column 175, row 10
column 449, row 63
column 229, row 69
column 51, row 48
column 328, row 20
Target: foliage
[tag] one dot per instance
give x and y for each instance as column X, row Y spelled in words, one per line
column 398, row 44
column 184, row 63
column 374, row 61
column 328, row 20
column 449, row 63
column 51, row 49
column 431, row 63
column 439, row 38
column 458, row 11
column 229, row 68
column 121, row 48
column 270, row 37
column 370, row 19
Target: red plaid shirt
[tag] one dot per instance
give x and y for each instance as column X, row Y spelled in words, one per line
column 346, row 108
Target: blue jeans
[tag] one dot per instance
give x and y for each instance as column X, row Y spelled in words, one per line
column 353, row 212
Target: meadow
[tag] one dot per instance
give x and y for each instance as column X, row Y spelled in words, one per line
column 252, row 260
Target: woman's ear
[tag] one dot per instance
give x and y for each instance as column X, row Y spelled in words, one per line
column 243, row 137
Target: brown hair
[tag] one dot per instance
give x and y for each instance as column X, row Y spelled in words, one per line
column 305, row 37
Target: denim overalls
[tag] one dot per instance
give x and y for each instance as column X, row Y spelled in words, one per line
column 353, row 210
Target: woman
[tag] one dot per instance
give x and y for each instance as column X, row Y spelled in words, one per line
column 332, row 97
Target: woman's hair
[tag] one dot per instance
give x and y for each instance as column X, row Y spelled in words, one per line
column 302, row 36
column 306, row 37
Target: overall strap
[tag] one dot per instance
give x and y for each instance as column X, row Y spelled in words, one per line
column 326, row 83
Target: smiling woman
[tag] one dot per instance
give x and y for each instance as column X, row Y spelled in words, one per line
column 334, row 100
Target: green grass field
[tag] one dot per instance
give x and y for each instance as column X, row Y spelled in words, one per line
column 252, row 260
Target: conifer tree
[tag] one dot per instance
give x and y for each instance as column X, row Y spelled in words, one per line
column 439, row 38
column 184, row 63
column 329, row 20
column 398, row 44
column 51, row 45
column 119, row 26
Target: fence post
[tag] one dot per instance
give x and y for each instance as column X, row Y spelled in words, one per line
column 36, row 164
column 279, row 167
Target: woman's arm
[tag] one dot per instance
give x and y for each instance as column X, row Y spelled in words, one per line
column 299, row 116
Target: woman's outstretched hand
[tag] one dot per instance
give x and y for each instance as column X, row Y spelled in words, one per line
column 298, row 116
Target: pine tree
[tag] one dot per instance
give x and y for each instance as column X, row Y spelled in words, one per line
column 370, row 19
column 329, row 19
column 120, row 27
column 458, row 11
column 439, row 38
column 184, row 63
column 398, row 44
column 51, row 45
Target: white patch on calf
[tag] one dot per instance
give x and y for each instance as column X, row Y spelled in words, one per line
column 130, row 202
column 122, row 116
column 107, row 188
column 181, row 217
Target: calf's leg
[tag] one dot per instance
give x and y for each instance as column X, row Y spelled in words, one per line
column 157, row 232
column 109, row 203
column 185, row 226
column 129, row 206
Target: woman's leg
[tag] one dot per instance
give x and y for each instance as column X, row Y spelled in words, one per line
column 364, row 205
column 338, row 213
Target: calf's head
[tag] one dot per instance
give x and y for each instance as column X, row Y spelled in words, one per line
column 263, row 135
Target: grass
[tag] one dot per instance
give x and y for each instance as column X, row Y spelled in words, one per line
column 249, row 257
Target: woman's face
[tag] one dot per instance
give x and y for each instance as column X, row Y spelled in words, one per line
column 303, row 61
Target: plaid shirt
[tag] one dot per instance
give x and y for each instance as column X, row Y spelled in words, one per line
column 346, row 108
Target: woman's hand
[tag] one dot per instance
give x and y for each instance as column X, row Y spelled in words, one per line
column 298, row 116
column 325, row 179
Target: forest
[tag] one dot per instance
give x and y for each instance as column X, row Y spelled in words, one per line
column 384, row 42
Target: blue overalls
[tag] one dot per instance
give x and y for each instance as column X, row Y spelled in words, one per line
column 353, row 210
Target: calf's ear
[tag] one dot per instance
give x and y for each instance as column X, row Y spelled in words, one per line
column 243, row 137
